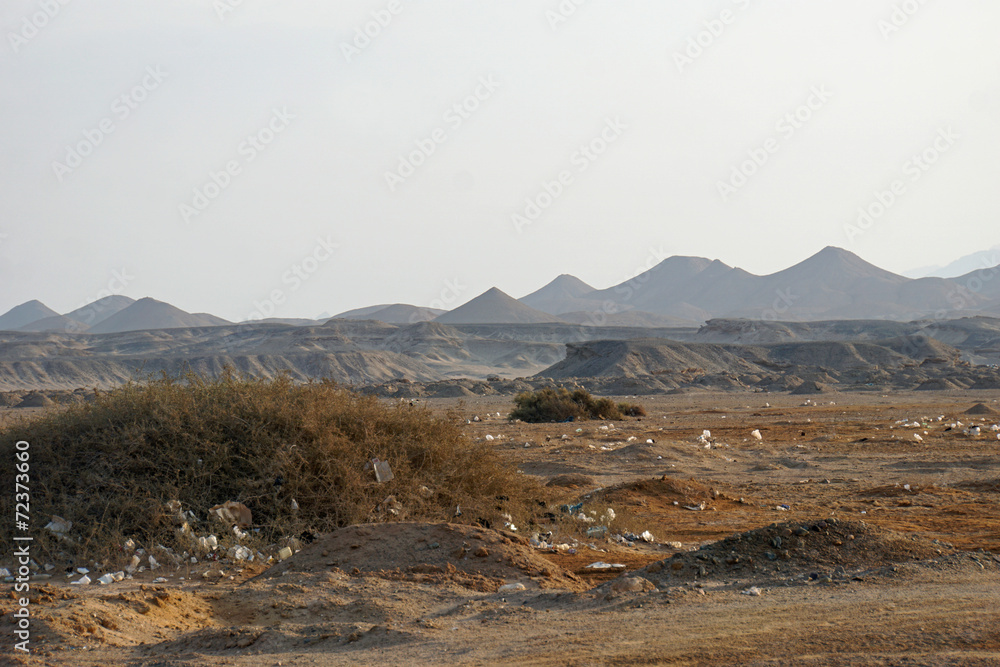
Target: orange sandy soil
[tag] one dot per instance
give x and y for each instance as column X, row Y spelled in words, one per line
column 382, row 596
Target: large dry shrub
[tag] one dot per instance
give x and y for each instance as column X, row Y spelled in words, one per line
column 111, row 464
column 561, row 405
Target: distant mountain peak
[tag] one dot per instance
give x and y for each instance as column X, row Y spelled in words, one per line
column 25, row 314
column 494, row 306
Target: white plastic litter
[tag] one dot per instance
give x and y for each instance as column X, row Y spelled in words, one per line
column 756, row 434
column 58, row 525
column 106, row 579
column 82, row 581
column 753, row 590
column 601, row 565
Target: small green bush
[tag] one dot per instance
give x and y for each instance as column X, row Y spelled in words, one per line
column 561, row 405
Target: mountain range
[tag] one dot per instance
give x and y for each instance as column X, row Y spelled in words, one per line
column 833, row 284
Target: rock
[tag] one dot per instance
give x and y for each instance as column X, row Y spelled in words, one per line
column 511, row 588
column 482, row 552
column 631, row 585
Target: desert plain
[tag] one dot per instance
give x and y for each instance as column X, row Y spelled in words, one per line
column 836, row 538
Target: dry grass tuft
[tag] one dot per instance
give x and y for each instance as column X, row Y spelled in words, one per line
column 112, row 464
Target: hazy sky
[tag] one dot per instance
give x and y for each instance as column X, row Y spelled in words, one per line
column 218, row 154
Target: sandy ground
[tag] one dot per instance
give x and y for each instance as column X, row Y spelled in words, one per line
column 866, row 546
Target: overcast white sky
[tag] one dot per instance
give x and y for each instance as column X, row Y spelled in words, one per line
column 339, row 118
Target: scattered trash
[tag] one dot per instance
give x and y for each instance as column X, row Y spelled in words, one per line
column 295, row 505
column 597, row 531
column 916, row 436
column 608, row 516
column 391, row 505
column 647, row 537
column 649, row 441
column 753, row 590
column 383, row 473
column 784, row 508
column 756, row 434
column 424, row 492
column 160, row 580
column 675, row 545
column 489, row 437
column 240, row 552
column 601, row 565
column 906, row 487
column 571, row 509
column 82, row 581
column 153, row 564
column 58, row 525
column 232, row 513
column 458, row 510
column 511, row 588
column 106, row 579
column 284, row 553
column 695, row 508
column 83, row 570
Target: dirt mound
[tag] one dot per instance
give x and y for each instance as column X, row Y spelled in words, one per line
column 980, row 409
column 684, row 491
column 571, row 481
column 809, row 388
column 35, row 400
column 785, row 549
column 937, row 384
column 478, row 558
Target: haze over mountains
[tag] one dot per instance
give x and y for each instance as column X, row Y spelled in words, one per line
column 833, row 284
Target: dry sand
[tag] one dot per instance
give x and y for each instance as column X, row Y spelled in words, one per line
column 885, row 555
